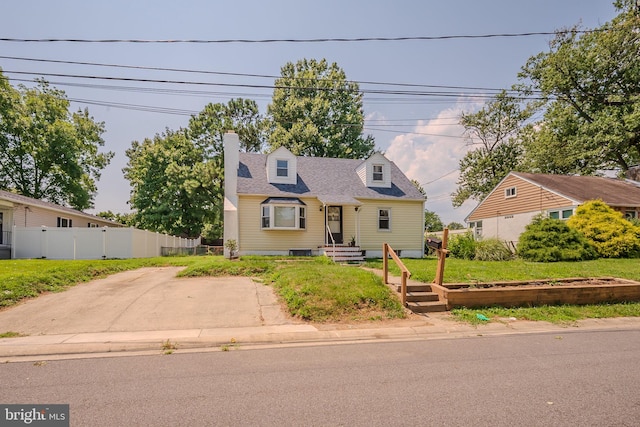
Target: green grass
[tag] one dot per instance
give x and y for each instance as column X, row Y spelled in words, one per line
column 10, row 334
column 561, row 314
column 317, row 290
column 464, row 271
column 321, row 291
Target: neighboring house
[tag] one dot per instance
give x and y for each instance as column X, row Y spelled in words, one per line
column 22, row 212
column 519, row 197
column 280, row 204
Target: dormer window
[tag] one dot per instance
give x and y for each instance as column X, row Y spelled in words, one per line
column 378, row 174
column 282, row 168
column 375, row 172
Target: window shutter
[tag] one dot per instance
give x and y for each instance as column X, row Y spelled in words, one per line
column 58, row 221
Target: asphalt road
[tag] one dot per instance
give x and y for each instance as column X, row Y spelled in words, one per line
column 573, row 378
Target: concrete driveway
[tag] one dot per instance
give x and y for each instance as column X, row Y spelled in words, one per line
column 148, row 299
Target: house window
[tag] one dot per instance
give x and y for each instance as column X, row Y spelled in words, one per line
column 477, row 229
column 377, row 173
column 64, row 222
column 630, row 214
column 283, row 214
column 510, row 192
column 284, row 217
column 282, row 168
column 92, row 225
column 266, row 216
column 384, row 219
column 561, row 214
column 302, row 218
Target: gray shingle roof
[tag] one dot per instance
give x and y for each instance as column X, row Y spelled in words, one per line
column 321, row 176
column 614, row 192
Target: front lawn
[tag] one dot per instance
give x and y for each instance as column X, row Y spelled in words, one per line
column 464, row 271
column 317, row 290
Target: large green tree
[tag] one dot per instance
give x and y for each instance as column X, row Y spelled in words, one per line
column 495, row 133
column 172, row 186
column 590, row 85
column 46, row 152
column 317, row 112
column 177, row 178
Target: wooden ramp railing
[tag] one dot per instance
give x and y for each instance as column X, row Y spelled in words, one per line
column 406, row 274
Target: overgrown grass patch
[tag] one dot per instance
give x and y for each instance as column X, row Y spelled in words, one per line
column 325, row 292
column 560, row 314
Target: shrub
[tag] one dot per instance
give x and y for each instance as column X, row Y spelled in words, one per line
column 462, row 246
column 610, row 233
column 492, row 250
column 550, row 240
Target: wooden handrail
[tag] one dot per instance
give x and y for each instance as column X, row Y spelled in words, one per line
column 406, row 274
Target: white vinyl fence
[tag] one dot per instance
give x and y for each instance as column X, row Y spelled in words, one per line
column 91, row 243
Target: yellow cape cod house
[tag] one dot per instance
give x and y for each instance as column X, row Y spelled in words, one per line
column 282, row 204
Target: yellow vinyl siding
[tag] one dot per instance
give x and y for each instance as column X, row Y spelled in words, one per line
column 406, row 226
column 528, row 198
column 254, row 238
column 407, row 220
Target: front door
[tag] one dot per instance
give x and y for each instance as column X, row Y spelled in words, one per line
column 334, row 221
column 1, row 240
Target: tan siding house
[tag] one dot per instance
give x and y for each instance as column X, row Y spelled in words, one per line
column 519, row 197
column 22, row 212
column 281, row 204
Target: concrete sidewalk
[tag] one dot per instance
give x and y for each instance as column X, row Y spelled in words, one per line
column 150, row 311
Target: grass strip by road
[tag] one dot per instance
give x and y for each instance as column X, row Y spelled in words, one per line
column 558, row 314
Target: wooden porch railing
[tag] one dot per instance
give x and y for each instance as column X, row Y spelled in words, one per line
column 406, row 274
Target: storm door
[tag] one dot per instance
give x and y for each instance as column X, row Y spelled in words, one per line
column 334, row 222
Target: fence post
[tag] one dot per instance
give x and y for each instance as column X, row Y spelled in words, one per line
column 385, row 263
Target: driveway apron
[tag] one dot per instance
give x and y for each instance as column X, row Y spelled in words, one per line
column 147, row 299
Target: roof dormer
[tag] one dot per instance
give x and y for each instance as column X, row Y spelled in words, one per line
column 282, row 167
column 375, row 171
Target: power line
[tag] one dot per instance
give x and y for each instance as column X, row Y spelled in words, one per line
column 314, row 40
column 222, row 73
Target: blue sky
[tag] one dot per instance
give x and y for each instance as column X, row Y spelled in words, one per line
column 420, row 134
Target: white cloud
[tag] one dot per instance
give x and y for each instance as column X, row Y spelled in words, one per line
column 431, row 156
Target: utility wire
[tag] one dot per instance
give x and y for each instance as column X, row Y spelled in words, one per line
column 444, row 94
column 222, row 73
column 314, row 40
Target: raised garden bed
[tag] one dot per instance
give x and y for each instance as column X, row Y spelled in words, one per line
column 538, row 292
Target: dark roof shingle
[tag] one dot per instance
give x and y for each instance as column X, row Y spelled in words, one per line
column 614, row 192
column 319, row 176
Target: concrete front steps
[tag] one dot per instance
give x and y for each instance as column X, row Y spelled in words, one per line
column 344, row 254
column 421, row 299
